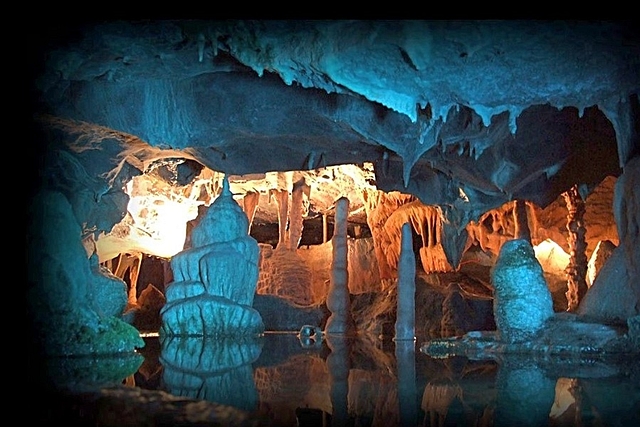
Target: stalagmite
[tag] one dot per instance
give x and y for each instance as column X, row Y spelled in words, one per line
column 215, row 280
column 405, row 329
column 340, row 321
column 405, row 320
column 577, row 268
column 522, row 302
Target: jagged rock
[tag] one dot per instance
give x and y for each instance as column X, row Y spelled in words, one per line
column 611, row 299
column 599, row 257
column 615, row 294
column 108, row 292
column 522, row 301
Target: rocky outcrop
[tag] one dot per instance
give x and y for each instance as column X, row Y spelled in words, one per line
column 73, row 307
column 615, row 294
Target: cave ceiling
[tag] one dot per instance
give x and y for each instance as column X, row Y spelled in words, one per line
column 462, row 114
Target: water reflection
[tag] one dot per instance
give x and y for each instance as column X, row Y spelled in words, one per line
column 216, row 370
column 369, row 382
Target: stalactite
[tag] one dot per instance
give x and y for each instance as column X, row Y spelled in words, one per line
column 577, row 268
column 324, row 227
column 130, row 262
column 282, row 199
column 300, row 188
column 521, row 220
column 250, row 203
column 533, row 216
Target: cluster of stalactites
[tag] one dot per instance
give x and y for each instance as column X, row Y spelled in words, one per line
column 387, row 213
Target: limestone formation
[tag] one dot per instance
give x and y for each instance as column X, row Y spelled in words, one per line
column 215, row 280
column 599, row 257
column 73, row 306
column 340, row 321
column 406, row 313
column 615, row 295
column 577, row 268
column 522, row 302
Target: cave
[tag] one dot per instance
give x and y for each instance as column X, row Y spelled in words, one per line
column 443, row 201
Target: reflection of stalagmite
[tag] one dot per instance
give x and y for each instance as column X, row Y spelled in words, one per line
column 577, row 268
column 338, row 366
column 216, row 370
column 406, row 362
column 340, row 321
column 525, row 394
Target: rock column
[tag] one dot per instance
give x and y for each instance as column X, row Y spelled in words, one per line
column 405, row 329
column 340, row 321
column 521, row 220
column 406, row 313
column 577, row 268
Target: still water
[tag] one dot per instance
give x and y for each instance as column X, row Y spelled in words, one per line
column 373, row 382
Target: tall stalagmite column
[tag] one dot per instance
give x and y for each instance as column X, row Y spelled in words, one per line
column 406, row 313
column 577, row 268
column 340, row 321
column 521, row 220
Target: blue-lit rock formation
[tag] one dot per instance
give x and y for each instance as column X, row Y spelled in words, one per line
column 215, row 280
column 522, row 301
column 73, row 308
column 614, row 296
column 213, row 369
